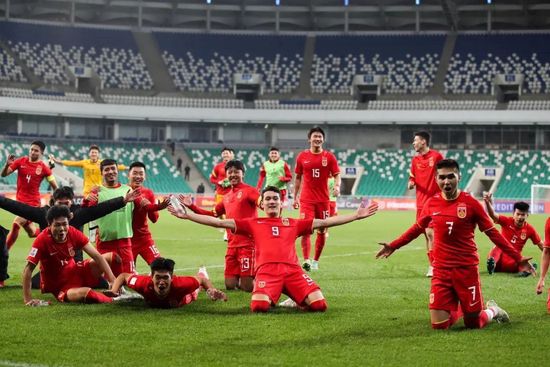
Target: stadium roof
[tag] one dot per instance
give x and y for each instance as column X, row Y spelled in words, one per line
column 291, row 15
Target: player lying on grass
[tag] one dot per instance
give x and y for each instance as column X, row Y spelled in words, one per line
column 61, row 275
column 544, row 262
column 516, row 230
column 163, row 289
column 277, row 267
column 454, row 215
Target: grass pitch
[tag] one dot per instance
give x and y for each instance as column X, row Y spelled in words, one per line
column 378, row 313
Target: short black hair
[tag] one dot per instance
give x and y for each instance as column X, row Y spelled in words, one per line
column 270, row 188
column 424, row 135
column 274, row 149
column 93, row 146
column 57, row 211
column 40, row 144
column 107, row 162
column 228, row 149
column 522, row 206
column 137, row 164
column 236, row 164
column 160, row 264
column 63, row 192
column 447, row 163
column 315, row 129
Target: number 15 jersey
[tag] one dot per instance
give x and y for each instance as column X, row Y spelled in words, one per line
column 315, row 168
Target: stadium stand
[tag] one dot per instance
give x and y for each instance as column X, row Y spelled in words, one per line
column 408, row 62
column 207, row 62
column 305, row 105
column 529, row 105
column 478, row 58
column 172, row 101
column 47, row 95
column 9, row 70
column 49, row 50
column 432, row 105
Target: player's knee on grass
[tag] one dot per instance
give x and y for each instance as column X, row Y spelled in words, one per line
column 259, row 306
column 231, row 283
column 473, row 321
column 246, row 284
column 443, row 325
column 318, row 306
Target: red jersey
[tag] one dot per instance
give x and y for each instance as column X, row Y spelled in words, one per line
column 239, row 203
column 218, row 174
column 29, row 177
column 274, row 238
column 315, row 169
column 140, row 226
column 517, row 236
column 55, row 258
column 179, row 289
column 547, row 233
column 423, row 175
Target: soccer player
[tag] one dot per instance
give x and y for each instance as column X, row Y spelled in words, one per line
column 275, row 172
column 422, row 177
column 314, row 166
column 67, row 280
column 31, row 170
column 544, row 262
column 142, row 241
column 277, row 268
column 516, row 230
column 219, row 179
column 241, row 202
column 455, row 280
column 163, row 289
column 115, row 229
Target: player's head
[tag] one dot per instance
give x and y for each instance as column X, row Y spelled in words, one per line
column 227, row 154
column 58, row 217
column 109, row 171
column 421, row 140
column 234, row 170
column 93, row 152
column 36, row 150
column 136, row 174
column 521, row 212
column 271, row 202
column 63, row 195
column 274, row 154
column 316, row 137
column 161, row 271
column 447, row 176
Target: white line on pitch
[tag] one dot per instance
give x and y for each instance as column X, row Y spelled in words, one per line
column 19, row 364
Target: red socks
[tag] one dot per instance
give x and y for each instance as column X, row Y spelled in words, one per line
column 318, row 306
column 319, row 245
column 306, row 246
column 96, row 297
column 259, row 306
column 12, row 236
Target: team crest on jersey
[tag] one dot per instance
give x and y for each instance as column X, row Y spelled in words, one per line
column 432, row 298
column 523, row 235
column 261, row 284
column 324, row 161
column 431, row 162
column 71, row 252
column 38, row 170
column 461, row 212
column 285, row 222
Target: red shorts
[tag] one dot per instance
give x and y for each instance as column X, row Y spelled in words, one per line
column 451, row 286
column 123, row 248
column 503, row 262
column 81, row 274
column 145, row 248
column 319, row 210
column 333, row 208
column 239, row 262
column 272, row 279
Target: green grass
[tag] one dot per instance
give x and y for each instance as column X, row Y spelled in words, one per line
column 377, row 313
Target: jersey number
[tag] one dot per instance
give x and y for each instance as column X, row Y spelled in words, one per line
column 316, row 172
column 309, row 281
column 275, row 231
column 514, row 239
column 28, row 177
column 450, row 226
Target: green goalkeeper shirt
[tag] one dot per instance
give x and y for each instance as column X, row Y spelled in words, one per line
column 117, row 224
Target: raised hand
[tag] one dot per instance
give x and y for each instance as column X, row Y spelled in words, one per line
column 10, row 159
column 385, row 251
column 186, row 200
column 164, row 203
column 488, row 198
column 366, row 211
column 132, row 195
column 177, row 213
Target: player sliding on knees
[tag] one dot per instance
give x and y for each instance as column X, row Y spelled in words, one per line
column 277, row 268
column 455, row 282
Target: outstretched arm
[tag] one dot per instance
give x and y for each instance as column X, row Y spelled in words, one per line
column 387, row 249
column 36, row 215
column 6, row 170
column 121, row 280
column 27, row 294
column 488, row 199
column 203, row 219
column 297, row 187
column 361, row 213
column 213, row 293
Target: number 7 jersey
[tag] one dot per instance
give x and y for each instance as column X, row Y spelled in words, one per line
column 454, row 223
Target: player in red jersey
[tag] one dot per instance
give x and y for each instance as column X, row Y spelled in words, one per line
column 516, row 230
column 422, row 177
column 144, row 207
column 31, row 171
column 277, row 267
column 544, row 262
column 313, row 169
column 219, row 179
column 240, row 202
column 67, row 280
column 163, row 289
column 454, row 215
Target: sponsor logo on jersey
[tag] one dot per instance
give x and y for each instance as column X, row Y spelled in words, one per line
column 285, row 222
column 38, row 170
column 324, row 162
column 523, row 235
column 461, row 212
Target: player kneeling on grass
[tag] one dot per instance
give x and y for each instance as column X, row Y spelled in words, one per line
column 277, row 267
column 61, row 275
column 163, row 289
column 454, row 216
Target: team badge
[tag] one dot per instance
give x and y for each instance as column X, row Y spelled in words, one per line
column 240, row 195
column 71, row 252
column 431, row 162
column 324, row 162
column 461, row 212
column 432, row 298
column 523, row 235
column 285, row 222
column 38, row 170
column 261, row 284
